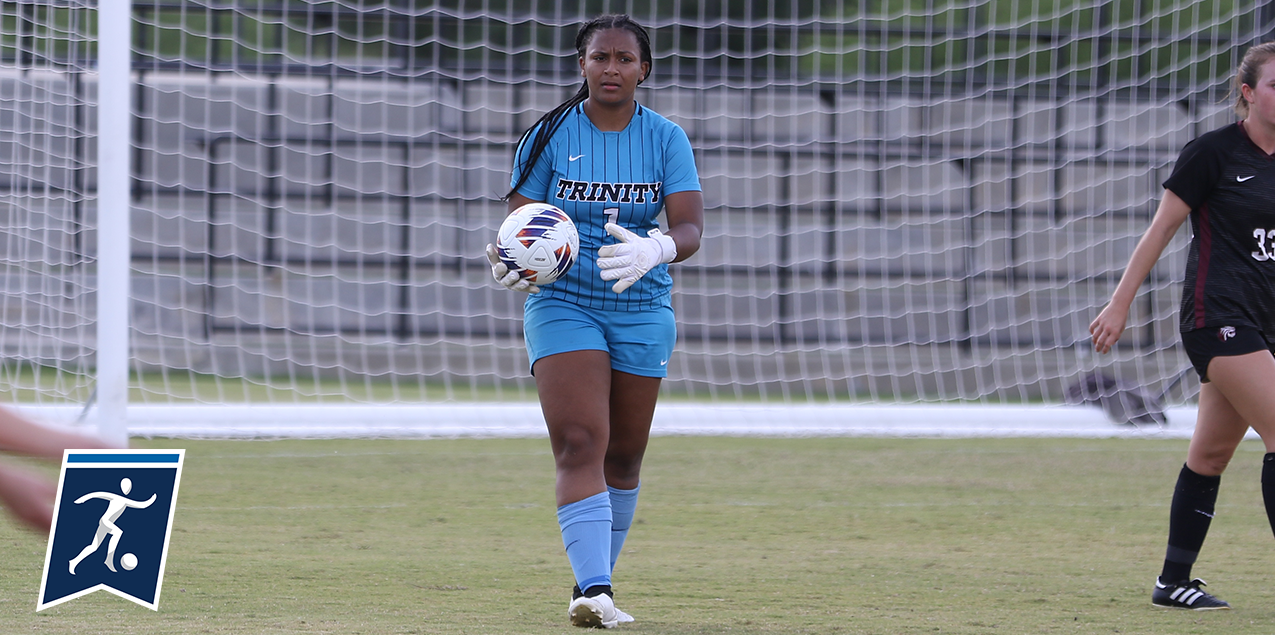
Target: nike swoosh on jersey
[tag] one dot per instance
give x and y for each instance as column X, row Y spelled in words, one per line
column 577, row 158
column 1242, row 179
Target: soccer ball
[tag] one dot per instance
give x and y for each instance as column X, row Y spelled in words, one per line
column 539, row 241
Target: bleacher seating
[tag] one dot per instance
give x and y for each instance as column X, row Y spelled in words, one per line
column 828, row 215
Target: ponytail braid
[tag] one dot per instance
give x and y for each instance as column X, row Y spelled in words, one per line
column 547, row 125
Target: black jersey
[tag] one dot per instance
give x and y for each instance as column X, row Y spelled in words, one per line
column 1229, row 183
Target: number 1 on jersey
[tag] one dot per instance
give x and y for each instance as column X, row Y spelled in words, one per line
column 613, row 215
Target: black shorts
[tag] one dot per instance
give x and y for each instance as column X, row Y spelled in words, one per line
column 1202, row 345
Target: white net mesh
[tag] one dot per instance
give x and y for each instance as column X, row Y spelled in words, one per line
column 46, row 202
column 906, row 202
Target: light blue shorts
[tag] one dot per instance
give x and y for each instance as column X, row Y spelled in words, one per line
column 639, row 342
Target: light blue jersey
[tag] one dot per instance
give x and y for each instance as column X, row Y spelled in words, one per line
column 599, row 177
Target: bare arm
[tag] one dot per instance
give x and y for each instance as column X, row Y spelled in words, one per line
column 518, row 200
column 17, row 434
column 28, row 497
column 685, row 214
column 1110, row 323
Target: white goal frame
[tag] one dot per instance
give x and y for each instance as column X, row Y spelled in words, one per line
column 854, row 173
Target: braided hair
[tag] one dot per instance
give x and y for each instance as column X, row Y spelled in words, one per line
column 547, row 125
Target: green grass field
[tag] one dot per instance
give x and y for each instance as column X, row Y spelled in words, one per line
column 732, row 536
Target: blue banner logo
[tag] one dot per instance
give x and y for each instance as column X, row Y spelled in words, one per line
column 111, row 525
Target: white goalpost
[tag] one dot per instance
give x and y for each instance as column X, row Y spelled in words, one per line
column 267, row 218
column 114, row 264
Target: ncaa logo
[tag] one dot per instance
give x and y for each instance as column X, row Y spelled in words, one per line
column 1225, row 333
column 111, row 524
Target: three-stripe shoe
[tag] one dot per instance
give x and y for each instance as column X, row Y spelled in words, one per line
column 1185, row 595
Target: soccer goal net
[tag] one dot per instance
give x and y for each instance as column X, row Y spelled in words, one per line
column 907, row 202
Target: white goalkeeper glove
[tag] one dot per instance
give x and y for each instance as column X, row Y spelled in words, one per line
column 508, row 279
column 633, row 256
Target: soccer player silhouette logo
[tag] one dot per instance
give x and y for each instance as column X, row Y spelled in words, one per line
column 107, row 524
column 124, row 498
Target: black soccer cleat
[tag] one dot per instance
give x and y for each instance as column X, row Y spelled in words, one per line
column 1185, row 595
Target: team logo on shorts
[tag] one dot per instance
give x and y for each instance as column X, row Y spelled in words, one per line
column 111, row 524
column 1225, row 333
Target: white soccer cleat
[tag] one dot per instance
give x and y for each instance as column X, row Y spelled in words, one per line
column 594, row 612
column 623, row 618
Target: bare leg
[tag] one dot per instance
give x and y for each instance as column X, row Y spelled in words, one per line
column 1218, row 432
column 1238, row 396
column 1248, row 384
column 632, row 407
column 575, row 390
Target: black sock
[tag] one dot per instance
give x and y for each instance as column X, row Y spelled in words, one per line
column 598, row 589
column 1268, row 487
column 1189, row 518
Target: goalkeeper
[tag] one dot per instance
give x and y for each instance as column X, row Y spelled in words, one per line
column 600, row 338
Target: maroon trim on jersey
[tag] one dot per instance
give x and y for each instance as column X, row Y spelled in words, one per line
column 1202, row 265
column 1250, row 140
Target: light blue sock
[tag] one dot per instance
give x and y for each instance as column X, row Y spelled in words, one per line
column 586, row 533
column 623, row 507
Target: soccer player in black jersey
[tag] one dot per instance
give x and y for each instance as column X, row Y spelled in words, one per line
column 1224, row 181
